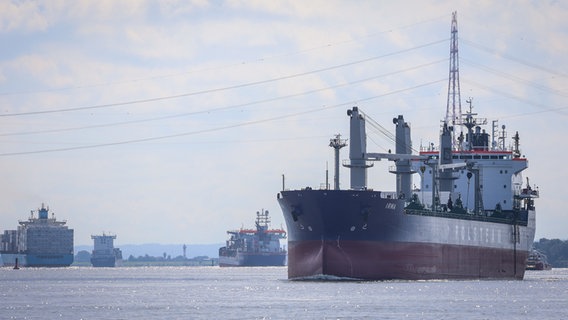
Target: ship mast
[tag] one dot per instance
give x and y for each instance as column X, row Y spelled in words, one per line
column 337, row 143
column 453, row 106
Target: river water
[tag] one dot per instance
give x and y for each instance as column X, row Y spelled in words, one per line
column 265, row 293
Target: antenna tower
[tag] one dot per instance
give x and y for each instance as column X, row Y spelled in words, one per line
column 453, row 107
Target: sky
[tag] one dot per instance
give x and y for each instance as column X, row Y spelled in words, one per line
column 175, row 121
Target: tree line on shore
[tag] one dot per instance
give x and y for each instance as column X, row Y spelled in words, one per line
column 164, row 257
column 556, row 251
column 84, row 256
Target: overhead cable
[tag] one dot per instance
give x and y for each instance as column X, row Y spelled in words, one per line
column 249, row 84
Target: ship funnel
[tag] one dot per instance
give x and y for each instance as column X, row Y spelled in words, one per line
column 445, row 157
column 43, row 212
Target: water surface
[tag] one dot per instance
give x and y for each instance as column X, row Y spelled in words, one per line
column 265, row 293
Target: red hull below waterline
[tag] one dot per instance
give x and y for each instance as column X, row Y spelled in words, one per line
column 410, row 261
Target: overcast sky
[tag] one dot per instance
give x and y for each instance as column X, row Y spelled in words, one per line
column 174, row 121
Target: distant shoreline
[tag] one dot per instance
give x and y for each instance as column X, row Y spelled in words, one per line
column 187, row 263
column 156, row 250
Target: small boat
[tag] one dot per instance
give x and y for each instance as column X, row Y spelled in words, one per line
column 537, row 261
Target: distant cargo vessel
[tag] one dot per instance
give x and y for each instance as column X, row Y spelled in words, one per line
column 249, row 247
column 471, row 218
column 104, row 253
column 38, row 242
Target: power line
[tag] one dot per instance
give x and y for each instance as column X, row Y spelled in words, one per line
column 511, row 96
column 247, row 123
column 225, row 107
column 515, row 59
column 254, row 83
column 514, row 78
column 261, row 59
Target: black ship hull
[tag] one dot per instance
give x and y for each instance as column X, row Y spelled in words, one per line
column 368, row 235
column 105, row 261
column 253, row 260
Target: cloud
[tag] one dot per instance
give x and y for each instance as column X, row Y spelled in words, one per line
column 24, row 16
column 240, row 118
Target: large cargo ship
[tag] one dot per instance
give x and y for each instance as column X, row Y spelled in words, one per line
column 104, row 253
column 254, row 247
column 472, row 218
column 38, row 242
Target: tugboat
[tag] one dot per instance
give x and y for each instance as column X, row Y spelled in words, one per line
column 537, row 261
column 254, row 247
